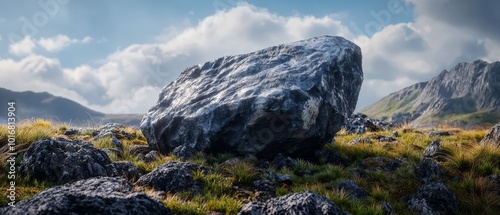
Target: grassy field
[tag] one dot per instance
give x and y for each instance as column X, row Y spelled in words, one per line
column 226, row 189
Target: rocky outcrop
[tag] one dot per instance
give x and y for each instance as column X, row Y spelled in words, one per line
column 297, row 203
column 359, row 123
column 467, row 95
column 101, row 195
column 433, row 198
column 172, row 177
column 63, row 160
column 289, row 99
column 493, row 136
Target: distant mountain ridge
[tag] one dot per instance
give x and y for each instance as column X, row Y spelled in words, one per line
column 466, row 95
column 32, row 105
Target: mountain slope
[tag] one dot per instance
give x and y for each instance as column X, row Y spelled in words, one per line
column 467, row 95
column 31, row 105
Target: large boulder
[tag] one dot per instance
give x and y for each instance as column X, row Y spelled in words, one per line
column 289, row 99
column 493, row 136
column 303, row 203
column 101, row 195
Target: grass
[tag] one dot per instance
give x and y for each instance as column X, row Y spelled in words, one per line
column 228, row 186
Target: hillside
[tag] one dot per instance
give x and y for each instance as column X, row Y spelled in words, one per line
column 32, row 105
column 466, row 95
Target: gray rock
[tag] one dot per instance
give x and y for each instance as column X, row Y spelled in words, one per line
column 373, row 164
column 184, row 152
column 385, row 139
column 289, row 99
column 136, row 150
column 434, row 149
column 112, row 130
column 439, row 133
column 352, row 189
column 493, row 136
column 114, row 151
column 433, row 198
column 71, row 131
column 394, row 134
column 280, row 178
column 63, row 160
column 387, row 209
column 172, row 177
column 359, row 123
column 101, row 195
column 303, row 203
column 150, row 156
column 428, row 170
column 126, row 169
column 264, row 185
column 281, row 161
column 359, row 140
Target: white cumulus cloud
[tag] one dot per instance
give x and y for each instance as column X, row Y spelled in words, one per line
column 59, row 42
column 24, row 47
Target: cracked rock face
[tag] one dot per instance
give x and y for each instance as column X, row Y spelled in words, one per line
column 101, row 195
column 303, row 203
column 289, row 99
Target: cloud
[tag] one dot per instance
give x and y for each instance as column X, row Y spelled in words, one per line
column 480, row 16
column 60, row 42
column 23, row 47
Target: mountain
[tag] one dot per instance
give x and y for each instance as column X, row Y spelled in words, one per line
column 32, row 105
column 466, row 95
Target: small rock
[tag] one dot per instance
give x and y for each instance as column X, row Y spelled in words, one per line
column 71, row 131
column 280, row 178
column 359, row 140
column 150, row 156
column 428, row 170
column 394, row 134
column 439, row 133
column 380, row 164
column 264, row 185
column 112, row 130
column 281, row 161
column 100, row 196
column 434, row 149
column 110, row 151
column 352, row 189
column 117, row 143
column 387, row 209
column 172, row 177
column 135, row 150
column 433, row 198
column 296, row 203
column 385, row 139
column 493, row 136
column 126, row 169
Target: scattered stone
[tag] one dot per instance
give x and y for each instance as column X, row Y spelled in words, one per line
column 264, row 185
column 126, row 169
column 359, row 124
column 64, row 160
column 429, row 170
column 433, row 198
column 352, row 189
column 280, row 178
column 112, row 130
column 98, row 196
column 172, row 177
column 296, row 203
column 281, row 161
column 288, row 99
column 150, row 156
column 434, row 150
column 493, row 136
column 385, row 139
column 71, row 131
column 387, row 209
column 394, row 134
column 136, row 150
column 359, row 140
column 439, row 133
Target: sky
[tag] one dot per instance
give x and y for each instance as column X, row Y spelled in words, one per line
column 115, row 56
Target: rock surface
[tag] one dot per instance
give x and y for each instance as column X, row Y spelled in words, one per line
column 63, row 160
column 102, row 195
column 172, row 177
column 290, row 98
column 352, row 189
column 467, row 95
column 359, row 123
column 303, row 203
column 429, row 170
column 493, row 136
column 433, row 198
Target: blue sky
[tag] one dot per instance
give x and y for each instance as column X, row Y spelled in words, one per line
column 115, row 56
